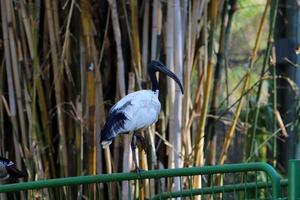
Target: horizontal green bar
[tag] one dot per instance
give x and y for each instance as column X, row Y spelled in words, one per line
column 227, row 168
column 217, row 189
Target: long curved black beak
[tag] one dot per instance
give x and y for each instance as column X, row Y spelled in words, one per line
column 158, row 66
column 14, row 172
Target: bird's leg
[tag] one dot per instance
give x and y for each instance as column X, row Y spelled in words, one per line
column 133, row 147
column 142, row 141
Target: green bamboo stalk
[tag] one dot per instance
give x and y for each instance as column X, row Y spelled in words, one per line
column 231, row 130
column 273, row 14
column 215, row 90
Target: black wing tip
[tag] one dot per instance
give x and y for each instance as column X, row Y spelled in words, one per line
column 14, row 172
column 115, row 123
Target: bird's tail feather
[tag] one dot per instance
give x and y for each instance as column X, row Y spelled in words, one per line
column 113, row 126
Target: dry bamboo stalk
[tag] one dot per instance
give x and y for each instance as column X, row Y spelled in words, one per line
column 56, row 24
column 10, row 53
column 100, row 113
column 171, row 85
column 178, row 65
column 89, row 135
column 82, row 107
column 145, row 45
column 193, row 31
column 199, row 146
column 35, row 137
column 8, row 64
column 135, row 38
column 57, row 70
column 15, row 71
column 155, row 10
column 10, row 27
column 279, row 120
column 121, row 87
column 66, row 55
column 100, row 117
column 27, row 27
column 127, row 153
column 184, row 4
column 186, row 135
column 231, row 130
column 117, row 36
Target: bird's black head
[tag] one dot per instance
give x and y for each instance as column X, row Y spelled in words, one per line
column 155, row 66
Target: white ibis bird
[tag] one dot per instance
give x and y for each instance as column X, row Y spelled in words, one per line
column 136, row 110
column 9, row 170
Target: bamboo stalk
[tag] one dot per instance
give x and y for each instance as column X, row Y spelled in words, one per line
column 171, row 85
column 145, row 45
column 120, row 66
column 27, row 26
column 199, row 146
column 273, row 15
column 57, row 71
column 117, row 36
column 231, row 130
column 135, row 38
column 90, row 135
column 127, row 154
column 216, row 85
column 178, row 65
column 155, row 27
column 90, row 62
column 100, row 113
column 13, row 74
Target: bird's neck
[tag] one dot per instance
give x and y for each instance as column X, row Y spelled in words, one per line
column 153, row 80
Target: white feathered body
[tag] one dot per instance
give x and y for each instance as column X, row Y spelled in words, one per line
column 134, row 111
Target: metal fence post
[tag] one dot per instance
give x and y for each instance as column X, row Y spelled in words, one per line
column 294, row 180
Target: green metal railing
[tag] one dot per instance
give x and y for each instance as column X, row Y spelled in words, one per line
column 246, row 181
column 293, row 180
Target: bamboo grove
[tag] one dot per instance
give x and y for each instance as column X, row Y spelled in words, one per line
column 64, row 63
